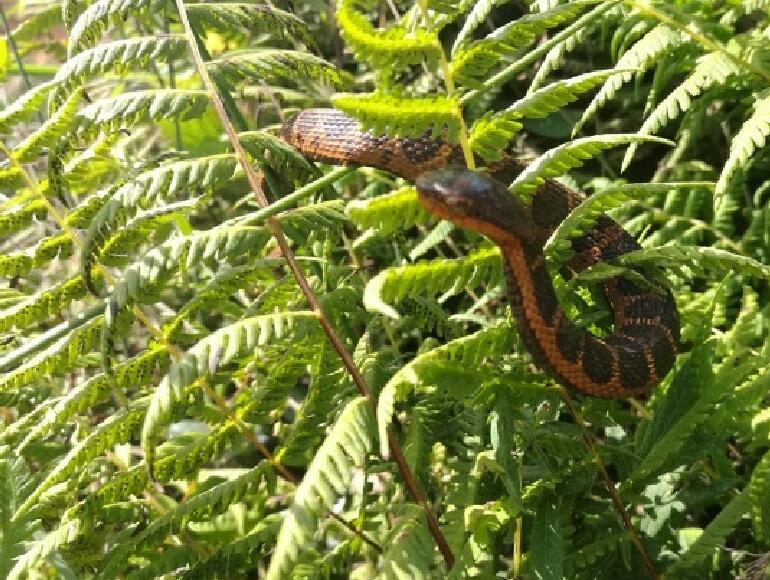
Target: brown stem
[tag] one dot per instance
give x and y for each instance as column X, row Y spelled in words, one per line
column 275, row 229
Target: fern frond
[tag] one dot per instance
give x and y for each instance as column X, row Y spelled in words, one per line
column 468, row 352
column 713, row 536
column 49, row 132
column 586, row 214
column 394, row 48
column 93, row 21
column 65, row 534
column 132, row 108
column 410, row 551
column 118, row 428
column 437, row 235
column 241, row 552
column 478, row 14
column 393, row 284
column 491, row 134
column 57, row 359
column 118, row 249
column 328, row 475
column 14, row 533
column 42, row 304
column 272, row 64
column 212, row 501
column 20, row 219
column 326, row 216
column 470, row 64
column 134, row 373
column 698, row 368
column 699, row 261
column 162, row 183
column 644, row 53
column 143, row 278
column 547, row 551
column 397, row 210
column 277, row 154
column 217, row 349
column 116, row 55
column 25, row 106
column 712, row 69
column 752, row 136
column 256, row 18
column 559, row 160
column 47, row 249
column 397, row 117
column 589, row 554
column 37, row 24
column 759, row 496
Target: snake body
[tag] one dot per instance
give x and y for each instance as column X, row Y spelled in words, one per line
column 643, row 345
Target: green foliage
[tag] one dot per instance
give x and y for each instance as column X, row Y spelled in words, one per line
column 170, row 399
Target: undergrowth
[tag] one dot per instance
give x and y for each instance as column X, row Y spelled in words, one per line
column 219, row 359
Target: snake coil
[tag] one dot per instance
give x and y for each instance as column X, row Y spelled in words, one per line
column 643, row 345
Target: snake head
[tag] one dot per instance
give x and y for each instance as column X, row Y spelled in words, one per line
column 476, row 202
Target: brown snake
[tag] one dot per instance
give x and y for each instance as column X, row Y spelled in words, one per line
column 643, row 345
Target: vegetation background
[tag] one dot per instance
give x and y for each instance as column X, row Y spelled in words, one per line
column 218, row 360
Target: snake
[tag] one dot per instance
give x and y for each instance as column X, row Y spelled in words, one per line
column 626, row 363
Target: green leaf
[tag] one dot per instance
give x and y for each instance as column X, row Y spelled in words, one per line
column 643, row 54
column 393, row 284
column 399, row 117
column 547, row 541
column 270, row 65
column 328, row 475
column 558, row 161
column 394, row 48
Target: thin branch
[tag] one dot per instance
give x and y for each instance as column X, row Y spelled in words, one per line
column 256, row 187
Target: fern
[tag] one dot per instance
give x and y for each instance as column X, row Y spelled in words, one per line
column 389, row 213
column 120, row 54
column 712, row 69
column 585, row 215
column 751, row 136
column 475, row 60
column 129, row 232
column 384, row 114
column 491, row 134
column 48, row 135
column 758, row 497
column 215, row 499
column 468, row 352
column 557, row 161
column 257, row 18
column 347, row 445
column 713, row 535
column 410, row 551
column 25, row 106
column 92, row 22
column 277, row 64
column 640, row 56
column 219, row 348
column 394, row 47
column 116, row 429
column 438, row 276
column 132, row 108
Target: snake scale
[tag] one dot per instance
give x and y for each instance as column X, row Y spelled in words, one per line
column 627, row 363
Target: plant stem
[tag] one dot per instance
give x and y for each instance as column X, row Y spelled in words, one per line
column 274, row 227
